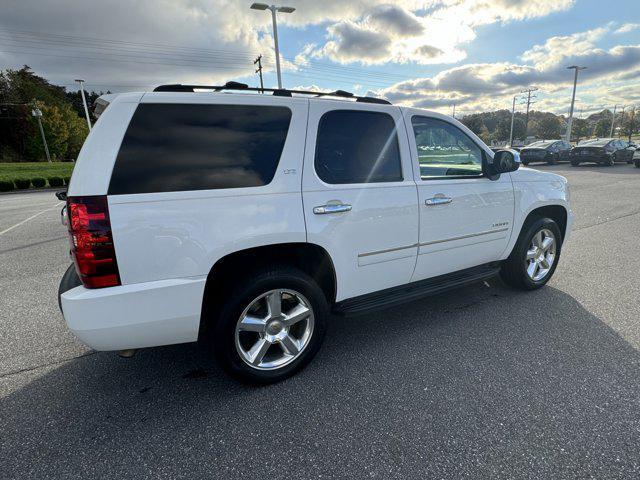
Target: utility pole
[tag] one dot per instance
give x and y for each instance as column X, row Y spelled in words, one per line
column 513, row 113
column 454, row 110
column 529, row 102
column 613, row 120
column 274, row 9
column 84, row 101
column 259, row 71
column 573, row 99
column 36, row 112
column 621, row 121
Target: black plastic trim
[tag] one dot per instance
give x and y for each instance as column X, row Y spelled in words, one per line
column 416, row 290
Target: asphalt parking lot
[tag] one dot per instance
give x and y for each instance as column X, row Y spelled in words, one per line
column 485, row 382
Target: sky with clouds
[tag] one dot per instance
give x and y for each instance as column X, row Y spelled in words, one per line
column 477, row 54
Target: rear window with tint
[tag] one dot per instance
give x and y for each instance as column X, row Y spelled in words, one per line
column 357, row 147
column 176, row 147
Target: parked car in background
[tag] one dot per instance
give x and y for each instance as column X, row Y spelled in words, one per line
column 604, row 151
column 547, row 151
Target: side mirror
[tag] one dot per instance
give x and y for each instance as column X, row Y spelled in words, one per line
column 504, row 161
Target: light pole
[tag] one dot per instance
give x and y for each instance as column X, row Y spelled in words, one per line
column 36, row 112
column 613, row 120
column 274, row 9
column 84, row 101
column 513, row 113
column 573, row 98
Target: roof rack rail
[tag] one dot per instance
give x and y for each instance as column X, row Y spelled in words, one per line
column 280, row 92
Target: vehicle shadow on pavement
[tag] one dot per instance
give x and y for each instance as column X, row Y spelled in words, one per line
column 486, row 382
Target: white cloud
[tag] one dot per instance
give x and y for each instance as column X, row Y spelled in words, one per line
column 627, row 27
column 482, row 86
column 407, row 33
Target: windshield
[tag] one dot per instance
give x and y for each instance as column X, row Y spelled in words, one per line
column 595, row 142
column 540, row 144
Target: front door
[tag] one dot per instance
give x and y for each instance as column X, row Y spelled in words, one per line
column 465, row 218
column 360, row 200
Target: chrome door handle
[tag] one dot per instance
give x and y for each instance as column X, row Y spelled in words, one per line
column 438, row 200
column 332, row 208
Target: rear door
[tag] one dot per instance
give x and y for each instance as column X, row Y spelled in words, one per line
column 465, row 218
column 360, row 200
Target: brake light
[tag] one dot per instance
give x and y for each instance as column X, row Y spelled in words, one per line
column 92, row 242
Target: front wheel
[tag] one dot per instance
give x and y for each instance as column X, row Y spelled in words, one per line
column 611, row 161
column 271, row 325
column 535, row 255
column 575, row 163
column 552, row 160
column 636, row 162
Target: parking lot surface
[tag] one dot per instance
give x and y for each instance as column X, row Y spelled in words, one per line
column 482, row 382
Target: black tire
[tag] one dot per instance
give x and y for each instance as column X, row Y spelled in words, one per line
column 611, row 161
column 575, row 163
column 552, row 160
column 513, row 270
column 636, row 162
column 69, row 280
column 240, row 297
column 525, row 162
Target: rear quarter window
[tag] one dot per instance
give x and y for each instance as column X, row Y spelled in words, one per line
column 179, row 147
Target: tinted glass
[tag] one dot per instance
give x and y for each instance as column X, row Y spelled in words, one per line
column 540, row 144
column 357, row 147
column 175, row 147
column 444, row 150
column 595, row 143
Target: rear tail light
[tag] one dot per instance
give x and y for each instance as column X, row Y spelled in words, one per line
column 92, row 242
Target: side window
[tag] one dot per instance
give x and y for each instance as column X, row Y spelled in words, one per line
column 179, row 147
column 356, row 146
column 444, row 150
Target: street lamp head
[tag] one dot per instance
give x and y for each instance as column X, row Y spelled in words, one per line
column 286, row 9
column 576, row 67
column 79, row 80
column 259, row 6
column 36, row 112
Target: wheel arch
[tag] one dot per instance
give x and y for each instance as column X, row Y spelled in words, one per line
column 308, row 257
column 557, row 213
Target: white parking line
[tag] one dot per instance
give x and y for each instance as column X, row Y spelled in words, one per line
column 30, row 218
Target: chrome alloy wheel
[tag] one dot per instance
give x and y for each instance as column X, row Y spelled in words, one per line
column 274, row 329
column 541, row 255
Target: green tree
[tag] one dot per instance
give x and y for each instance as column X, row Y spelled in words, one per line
column 580, row 128
column 56, row 132
column 603, row 125
column 547, row 127
column 518, row 129
column 474, row 123
column 630, row 123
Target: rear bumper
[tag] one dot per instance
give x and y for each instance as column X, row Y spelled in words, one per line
column 135, row 316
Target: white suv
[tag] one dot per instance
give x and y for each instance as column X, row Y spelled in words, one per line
column 247, row 219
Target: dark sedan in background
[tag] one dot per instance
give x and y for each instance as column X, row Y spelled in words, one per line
column 604, row 151
column 547, row 151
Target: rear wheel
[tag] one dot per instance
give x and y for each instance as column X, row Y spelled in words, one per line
column 535, row 255
column 271, row 325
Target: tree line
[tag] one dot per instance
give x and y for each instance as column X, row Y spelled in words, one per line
column 63, row 118
column 496, row 125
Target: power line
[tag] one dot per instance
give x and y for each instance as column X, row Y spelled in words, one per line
column 529, row 102
column 259, row 70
